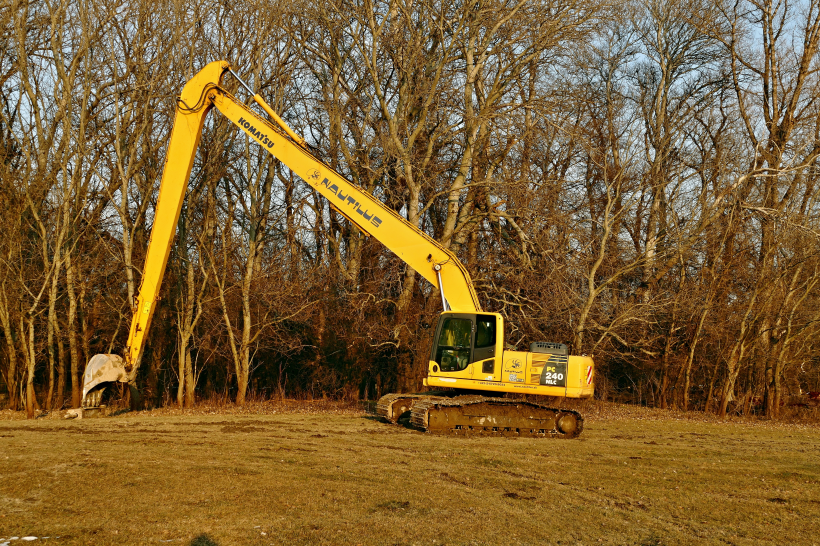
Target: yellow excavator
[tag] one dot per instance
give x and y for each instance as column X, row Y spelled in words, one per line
column 468, row 352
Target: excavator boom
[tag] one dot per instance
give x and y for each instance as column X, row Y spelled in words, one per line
column 203, row 92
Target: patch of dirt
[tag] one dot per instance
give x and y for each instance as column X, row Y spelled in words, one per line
column 394, row 505
column 244, row 422
column 403, row 449
column 516, row 496
column 241, row 428
column 287, row 448
column 453, row 479
column 629, row 505
column 516, row 474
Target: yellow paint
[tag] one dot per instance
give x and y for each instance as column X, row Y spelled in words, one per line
column 179, row 160
column 516, row 374
column 576, row 380
column 416, row 248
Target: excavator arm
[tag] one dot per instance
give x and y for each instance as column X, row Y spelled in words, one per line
column 203, row 92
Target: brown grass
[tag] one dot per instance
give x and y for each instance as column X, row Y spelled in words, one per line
column 324, row 473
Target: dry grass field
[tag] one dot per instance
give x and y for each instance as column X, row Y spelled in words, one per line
column 319, row 475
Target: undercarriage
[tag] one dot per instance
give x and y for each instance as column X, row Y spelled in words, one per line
column 475, row 415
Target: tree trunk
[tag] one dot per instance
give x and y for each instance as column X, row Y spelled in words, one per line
column 152, row 394
column 190, row 381
column 31, row 397
column 687, row 374
column 708, row 406
column 58, row 402
column 52, row 299
column 182, row 353
column 85, row 335
column 187, row 382
column 665, row 371
column 11, row 369
column 409, row 273
column 733, row 370
column 71, row 326
column 241, row 383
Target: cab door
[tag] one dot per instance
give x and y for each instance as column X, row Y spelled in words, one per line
column 486, row 353
column 453, row 347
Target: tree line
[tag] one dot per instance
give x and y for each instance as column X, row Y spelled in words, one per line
column 636, row 179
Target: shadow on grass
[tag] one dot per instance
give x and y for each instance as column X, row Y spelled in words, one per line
column 203, row 540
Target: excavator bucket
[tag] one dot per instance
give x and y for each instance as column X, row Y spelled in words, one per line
column 101, row 370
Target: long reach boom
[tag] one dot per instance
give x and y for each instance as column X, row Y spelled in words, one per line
column 203, row 92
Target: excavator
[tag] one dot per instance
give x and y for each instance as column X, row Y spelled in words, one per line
column 471, row 370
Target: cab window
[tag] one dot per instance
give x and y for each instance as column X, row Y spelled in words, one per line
column 485, row 332
column 453, row 351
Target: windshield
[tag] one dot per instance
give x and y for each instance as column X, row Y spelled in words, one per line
column 453, row 352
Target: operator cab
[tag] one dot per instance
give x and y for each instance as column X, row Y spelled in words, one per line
column 464, row 338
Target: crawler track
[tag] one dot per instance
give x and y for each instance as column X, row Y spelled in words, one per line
column 482, row 416
column 392, row 406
